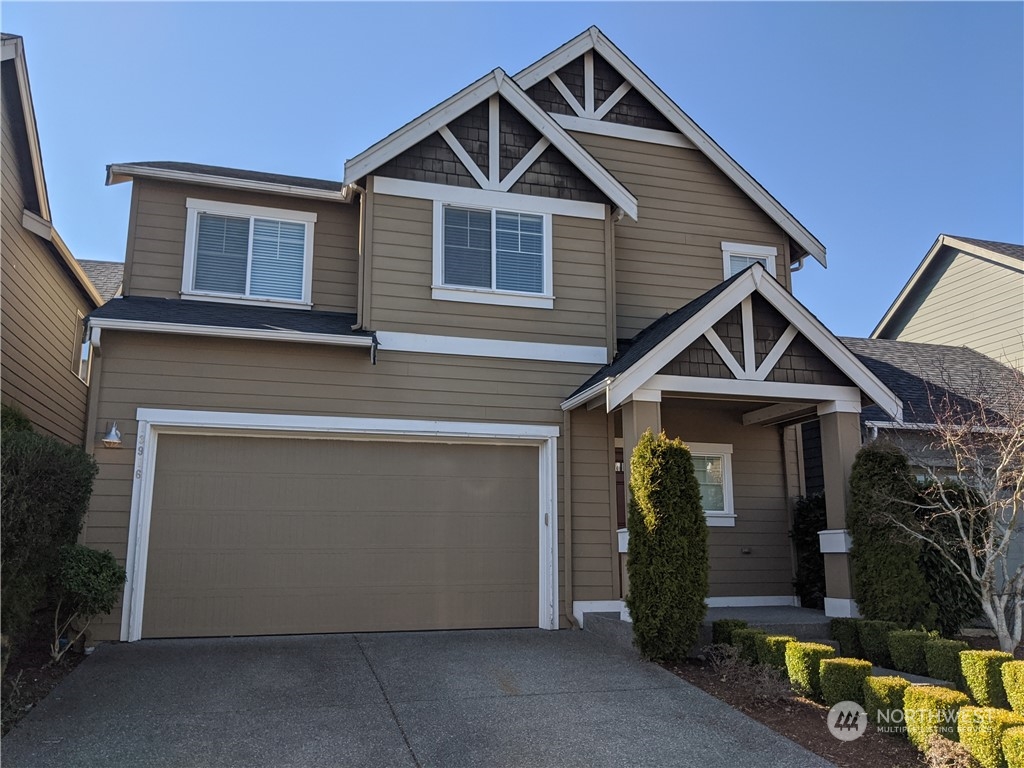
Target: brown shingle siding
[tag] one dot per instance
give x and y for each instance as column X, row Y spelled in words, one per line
column 549, row 99
column 699, row 359
column 518, row 137
column 606, row 80
column 431, row 161
column 554, row 176
column 634, row 109
column 804, row 364
column 471, row 130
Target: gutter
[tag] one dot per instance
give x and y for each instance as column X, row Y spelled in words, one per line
column 588, row 394
column 119, row 173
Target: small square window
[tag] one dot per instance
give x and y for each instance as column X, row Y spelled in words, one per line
column 739, row 256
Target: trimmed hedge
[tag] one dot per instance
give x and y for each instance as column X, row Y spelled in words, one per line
column 929, row 709
column 942, row 659
column 874, row 641
column 906, row 648
column 803, row 663
column 1013, row 684
column 1013, row 747
column 983, row 678
column 721, row 630
column 668, row 549
column 981, row 731
column 745, row 641
column 771, row 650
column 846, row 633
column 843, row 680
column 885, row 695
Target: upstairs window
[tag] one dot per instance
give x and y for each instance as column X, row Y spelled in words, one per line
column 739, row 256
column 493, row 256
column 248, row 253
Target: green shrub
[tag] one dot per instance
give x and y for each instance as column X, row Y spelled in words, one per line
column 942, row 658
column 45, row 486
column 721, row 630
column 803, row 663
column 983, row 678
column 883, row 696
column 1013, row 684
column 931, row 709
column 668, row 549
column 12, row 420
column 1013, row 747
column 88, row 585
column 874, row 641
column 843, row 680
column 771, row 649
column 845, row 632
column 745, row 641
column 808, row 519
column 981, row 731
column 887, row 581
column 906, row 648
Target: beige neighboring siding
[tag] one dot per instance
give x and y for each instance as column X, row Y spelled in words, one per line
column 759, row 490
column 39, row 306
column 687, row 208
column 972, row 303
column 156, row 240
column 160, row 371
column 258, row 536
column 594, row 538
column 403, row 270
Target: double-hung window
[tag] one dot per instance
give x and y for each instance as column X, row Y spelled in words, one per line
column 248, row 253
column 712, row 463
column 739, row 256
column 490, row 255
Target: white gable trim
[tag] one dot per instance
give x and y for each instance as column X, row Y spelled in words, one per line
column 594, row 39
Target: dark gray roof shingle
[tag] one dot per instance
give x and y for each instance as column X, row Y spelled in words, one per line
column 238, row 173
column 105, row 275
column 1007, row 249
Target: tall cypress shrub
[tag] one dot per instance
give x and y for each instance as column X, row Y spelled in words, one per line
column 668, row 549
column 888, row 584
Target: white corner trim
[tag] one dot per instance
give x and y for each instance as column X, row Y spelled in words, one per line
column 499, row 348
column 623, row 537
column 582, row 607
column 122, row 172
column 753, row 601
column 835, row 541
column 842, row 608
column 230, row 333
column 487, row 198
column 483, row 296
column 152, row 422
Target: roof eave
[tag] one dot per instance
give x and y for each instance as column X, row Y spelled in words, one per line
column 118, row 173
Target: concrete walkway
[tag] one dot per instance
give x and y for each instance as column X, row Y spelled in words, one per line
column 446, row 699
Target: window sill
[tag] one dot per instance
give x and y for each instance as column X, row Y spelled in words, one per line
column 474, row 296
column 720, row 520
column 251, row 301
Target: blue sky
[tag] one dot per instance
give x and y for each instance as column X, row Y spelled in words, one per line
column 877, row 125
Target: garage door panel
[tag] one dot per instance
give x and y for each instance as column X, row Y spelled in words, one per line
column 280, row 535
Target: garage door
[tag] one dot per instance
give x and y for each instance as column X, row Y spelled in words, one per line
column 255, row 536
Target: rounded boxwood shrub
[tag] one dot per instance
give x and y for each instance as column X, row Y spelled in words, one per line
column 874, row 641
column 843, row 680
column 883, row 698
column 745, row 641
column 942, row 659
column 981, row 731
column 803, row 663
column 88, row 584
column 1013, row 747
column 771, row 649
column 983, row 677
column 845, row 632
column 721, row 630
column 906, row 648
column 1013, row 684
column 929, row 709
column 668, row 549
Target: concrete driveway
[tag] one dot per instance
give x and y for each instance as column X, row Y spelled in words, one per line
column 484, row 698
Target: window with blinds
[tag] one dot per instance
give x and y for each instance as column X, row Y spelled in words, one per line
column 493, row 250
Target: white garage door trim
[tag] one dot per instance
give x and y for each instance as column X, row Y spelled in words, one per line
column 153, row 422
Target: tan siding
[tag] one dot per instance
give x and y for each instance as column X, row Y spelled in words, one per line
column 687, row 208
column 39, row 305
column 403, row 268
column 156, row 243
column 973, row 303
column 594, row 540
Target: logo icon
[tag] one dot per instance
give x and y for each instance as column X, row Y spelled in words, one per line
column 847, row 720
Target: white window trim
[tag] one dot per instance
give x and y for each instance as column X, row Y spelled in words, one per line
column 442, row 292
column 725, row 518
column 76, row 355
column 766, row 252
column 195, row 207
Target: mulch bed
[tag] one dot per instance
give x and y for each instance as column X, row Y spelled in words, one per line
column 803, row 721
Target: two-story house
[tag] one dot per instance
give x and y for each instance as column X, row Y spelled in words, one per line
column 394, row 401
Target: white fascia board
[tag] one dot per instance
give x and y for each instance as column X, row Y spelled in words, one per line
column 907, row 289
column 14, row 48
column 186, row 329
column 44, row 229
column 769, row 390
column 973, row 249
column 557, row 59
column 587, row 395
column 118, row 173
column 499, row 348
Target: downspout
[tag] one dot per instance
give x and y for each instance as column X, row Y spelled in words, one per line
column 799, row 265
column 349, row 190
column 567, row 514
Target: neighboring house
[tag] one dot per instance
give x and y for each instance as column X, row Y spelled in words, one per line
column 44, row 294
column 395, row 401
column 965, row 292
column 107, row 276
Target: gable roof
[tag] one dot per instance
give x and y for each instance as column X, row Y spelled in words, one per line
column 1006, row 254
column 925, row 376
column 671, row 334
column 107, row 276
column 594, row 39
column 496, row 82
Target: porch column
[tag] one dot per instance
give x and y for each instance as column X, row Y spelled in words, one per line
column 840, row 441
